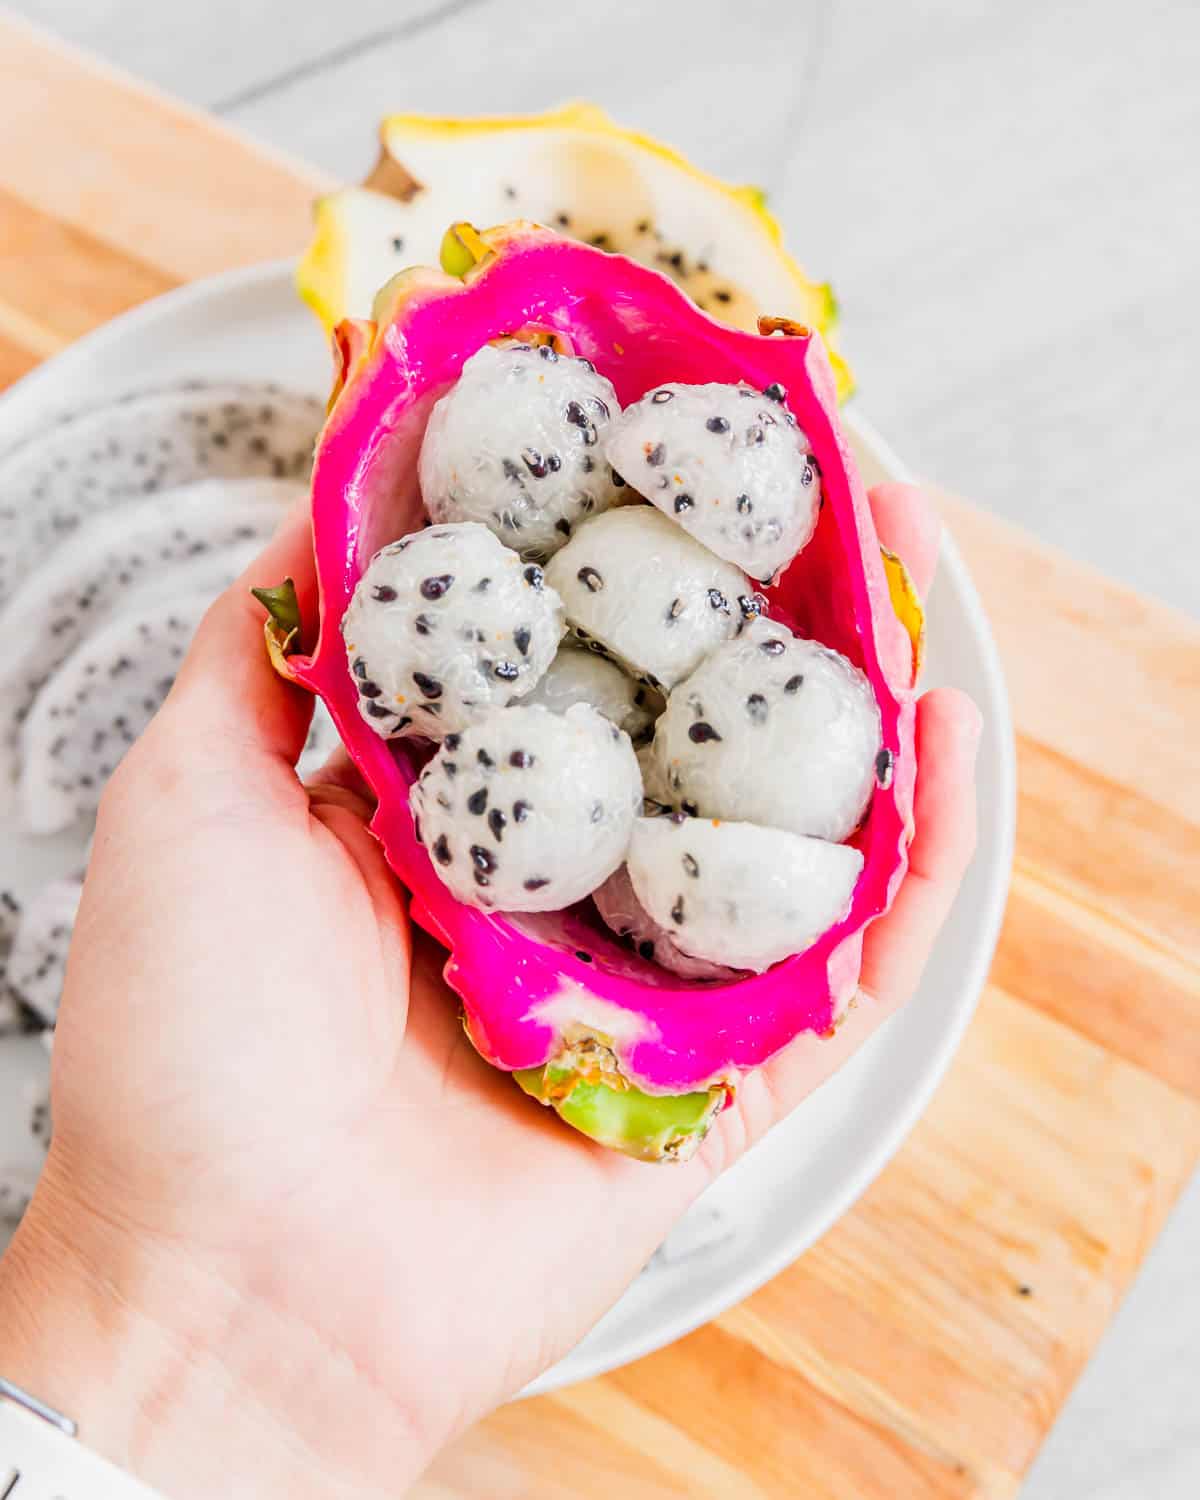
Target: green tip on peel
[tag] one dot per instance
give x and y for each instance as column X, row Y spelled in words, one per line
column 651, row 1127
column 462, row 248
column 282, row 605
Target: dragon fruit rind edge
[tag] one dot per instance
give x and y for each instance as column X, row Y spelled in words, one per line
column 634, row 1056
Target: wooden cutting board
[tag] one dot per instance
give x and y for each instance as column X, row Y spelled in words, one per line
column 925, row 1345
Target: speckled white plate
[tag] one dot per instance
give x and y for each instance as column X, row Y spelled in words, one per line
column 248, row 325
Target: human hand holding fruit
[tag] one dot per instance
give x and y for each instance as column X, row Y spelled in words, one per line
column 295, row 1232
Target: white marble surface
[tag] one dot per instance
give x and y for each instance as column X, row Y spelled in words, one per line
column 1005, row 196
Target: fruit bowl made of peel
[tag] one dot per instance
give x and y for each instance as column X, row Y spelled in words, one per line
column 606, row 627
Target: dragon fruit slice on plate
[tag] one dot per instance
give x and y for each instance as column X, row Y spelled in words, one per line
column 577, row 171
column 632, row 1055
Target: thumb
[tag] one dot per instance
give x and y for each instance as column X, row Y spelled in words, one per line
column 228, row 700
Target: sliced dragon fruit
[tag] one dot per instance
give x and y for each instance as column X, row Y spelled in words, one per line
column 140, row 445
column 632, row 1055
column 576, row 171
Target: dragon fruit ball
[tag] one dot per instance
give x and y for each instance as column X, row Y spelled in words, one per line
column 642, row 591
column 579, row 676
column 516, row 445
column 529, row 810
column 728, row 463
column 772, row 729
column 444, row 624
column 622, row 912
column 737, row 894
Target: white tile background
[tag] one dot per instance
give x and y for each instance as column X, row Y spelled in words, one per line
column 1007, row 198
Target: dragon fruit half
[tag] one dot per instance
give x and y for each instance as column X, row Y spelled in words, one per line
column 633, row 1055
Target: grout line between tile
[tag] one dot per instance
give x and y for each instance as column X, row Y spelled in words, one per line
column 402, row 31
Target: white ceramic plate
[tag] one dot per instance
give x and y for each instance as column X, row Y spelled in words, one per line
column 249, row 325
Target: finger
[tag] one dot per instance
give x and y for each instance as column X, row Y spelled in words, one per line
column 340, row 771
column 897, row 946
column 909, row 526
column 228, row 697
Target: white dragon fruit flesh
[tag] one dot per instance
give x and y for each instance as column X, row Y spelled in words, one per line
column 194, row 538
column 642, row 591
column 444, row 624
column 619, row 908
column 516, row 445
column 12, row 1017
column 579, row 676
column 772, row 729
column 529, row 810
column 140, row 445
column 738, row 894
column 37, row 961
column 94, row 707
column 728, row 463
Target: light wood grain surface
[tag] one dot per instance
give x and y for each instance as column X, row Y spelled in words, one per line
column 924, row 1346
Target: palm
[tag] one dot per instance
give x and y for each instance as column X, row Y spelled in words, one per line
column 282, row 1109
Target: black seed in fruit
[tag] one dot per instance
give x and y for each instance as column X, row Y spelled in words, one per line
column 506, row 671
column 756, row 707
column 521, row 636
column 773, row 647
column 691, row 866
column 618, row 481
column 794, row 684
column 534, row 576
column 383, row 593
column 521, row 811
column 483, row 859
column 484, row 759
column 534, row 462
column 434, row 588
column 521, row 759
column 682, row 503
column 430, row 686
column 576, row 415
column 677, row 912
column 563, row 525
column 536, row 882
column 370, row 689
column 774, row 391
column 497, row 823
column 656, row 455
column 477, row 802
column 744, row 504
column 441, row 850
column 702, row 733
column 360, row 667
column 452, row 741
column 423, row 624
column 659, row 398
column 717, row 424
column 591, row 580
column 380, row 711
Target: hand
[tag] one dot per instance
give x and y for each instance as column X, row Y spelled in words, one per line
column 293, row 1233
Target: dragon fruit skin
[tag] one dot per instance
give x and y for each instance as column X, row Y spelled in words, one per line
column 532, row 987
